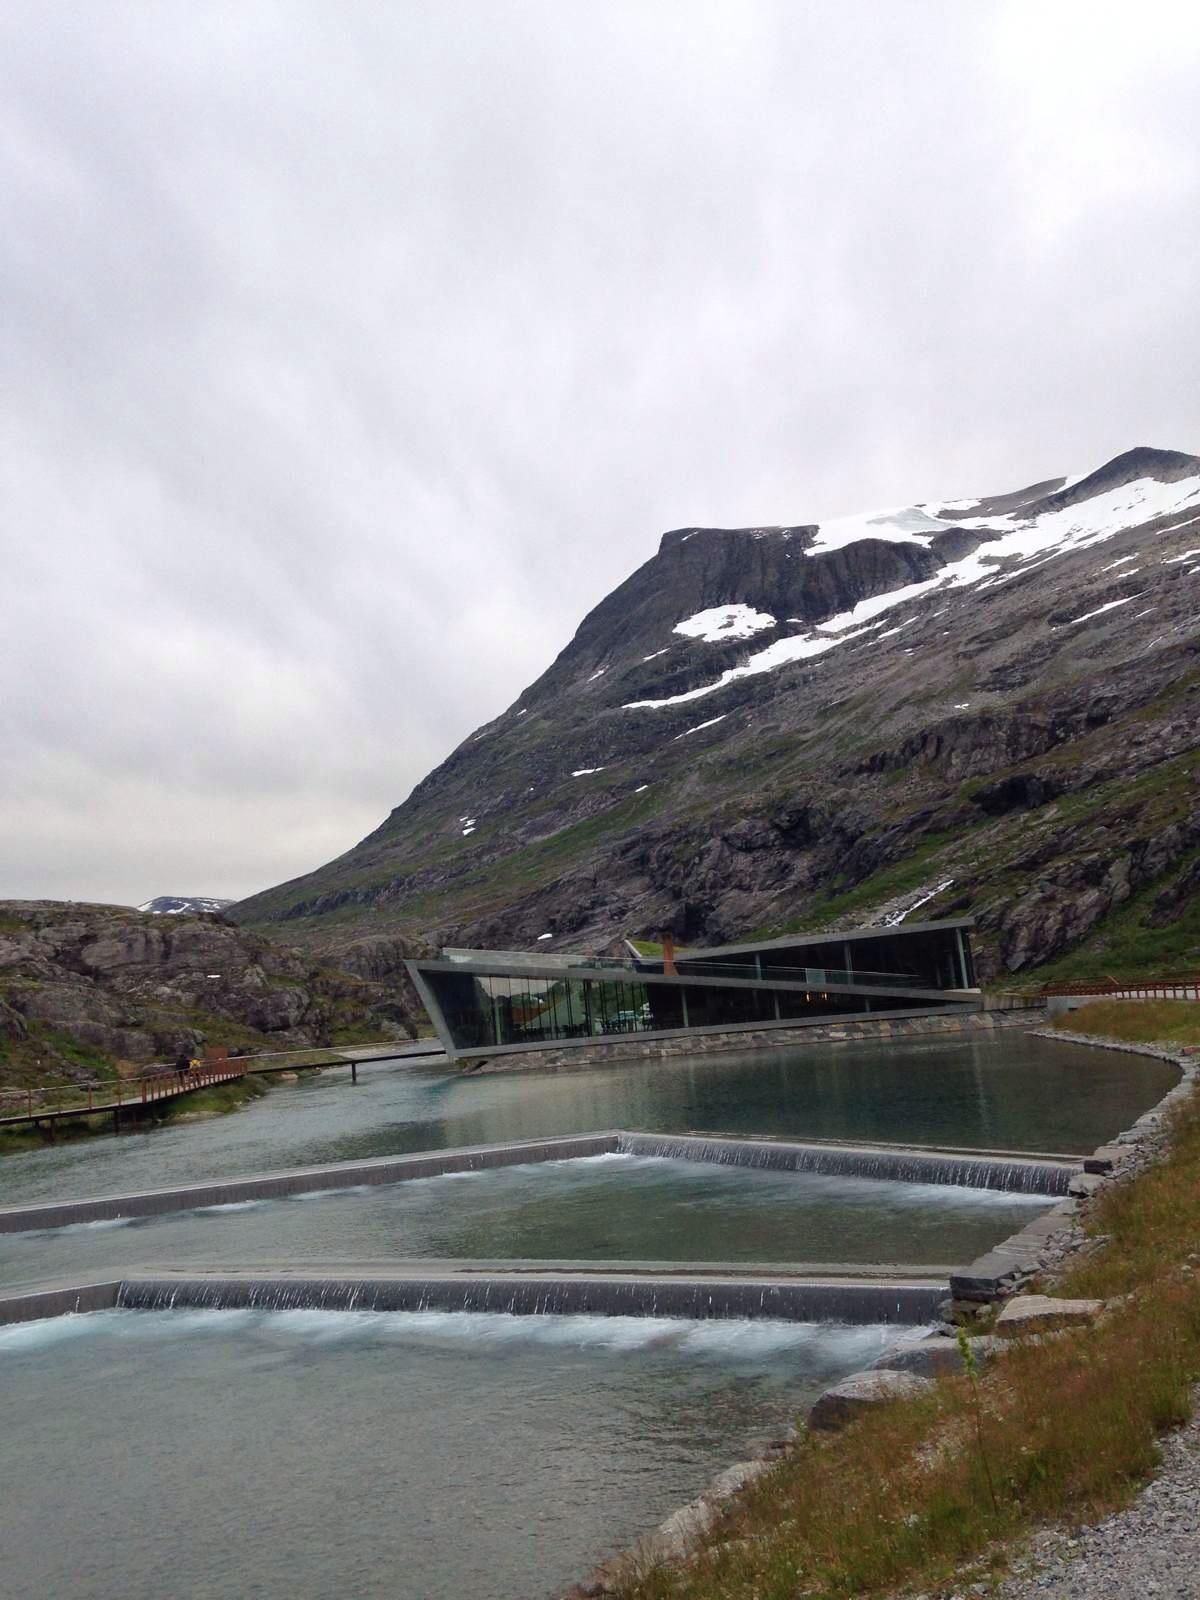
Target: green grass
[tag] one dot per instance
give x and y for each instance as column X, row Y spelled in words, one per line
column 216, row 1100
column 1142, row 1021
column 912, row 1494
column 43, row 1055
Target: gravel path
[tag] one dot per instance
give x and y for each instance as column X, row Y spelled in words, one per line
column 1149, row 1551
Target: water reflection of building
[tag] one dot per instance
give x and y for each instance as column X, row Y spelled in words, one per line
column 486, row 1002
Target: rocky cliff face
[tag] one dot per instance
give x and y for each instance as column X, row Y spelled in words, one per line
column 84, row 988
column 985, row 706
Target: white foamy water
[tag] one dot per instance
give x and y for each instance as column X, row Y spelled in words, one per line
column 330, row 1194
column 737, row 1340
column 101, row 1225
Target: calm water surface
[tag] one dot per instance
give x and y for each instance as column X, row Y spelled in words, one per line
column 1014, row 1092
column 427, row 1456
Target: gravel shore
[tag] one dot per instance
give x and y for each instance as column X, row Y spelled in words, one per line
column 1150, row 1549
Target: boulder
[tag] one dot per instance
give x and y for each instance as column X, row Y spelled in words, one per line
column 1107, row 1157
column 860, row 1391
column 1084, row 1184
column 1027, row 1314
column 934, row 1355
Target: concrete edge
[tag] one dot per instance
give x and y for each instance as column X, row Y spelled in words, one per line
column 910, row 1164
column 1000, row 1271
column 303, row 1180
column 62, row 1301
column 909, row 1303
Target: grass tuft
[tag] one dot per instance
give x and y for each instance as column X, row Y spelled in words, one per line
column 1139, row 1021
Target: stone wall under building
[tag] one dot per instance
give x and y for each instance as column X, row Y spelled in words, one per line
column 566, row 1058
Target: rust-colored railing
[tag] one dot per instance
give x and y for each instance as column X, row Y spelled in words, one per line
column 1173, row 987
column 98, row 1095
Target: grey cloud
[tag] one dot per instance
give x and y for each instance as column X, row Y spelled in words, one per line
column 356, row 351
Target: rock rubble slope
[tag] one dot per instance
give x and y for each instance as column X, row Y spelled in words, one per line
column 984, row 706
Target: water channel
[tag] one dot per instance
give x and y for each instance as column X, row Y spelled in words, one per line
column 605, row 1208
column 311, row 1454
column 1011, row 1093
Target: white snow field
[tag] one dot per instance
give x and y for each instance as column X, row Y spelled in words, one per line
column 1011, row 546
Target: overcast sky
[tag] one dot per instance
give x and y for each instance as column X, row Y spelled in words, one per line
column 352, row 352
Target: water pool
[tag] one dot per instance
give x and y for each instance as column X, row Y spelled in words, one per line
column 418, row 1456
column 613, row 1207
column 1013, row 1092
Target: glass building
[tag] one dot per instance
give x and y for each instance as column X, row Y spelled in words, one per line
column 485, row 1002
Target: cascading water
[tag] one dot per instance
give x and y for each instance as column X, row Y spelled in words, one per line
column 841, row 1302
column 1004, row 1174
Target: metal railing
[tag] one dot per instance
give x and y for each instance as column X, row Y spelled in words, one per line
column 115, row 1094
column 1175, row 987
column 749, row 972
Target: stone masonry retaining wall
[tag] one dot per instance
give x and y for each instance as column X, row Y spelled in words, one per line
column 982, row 1023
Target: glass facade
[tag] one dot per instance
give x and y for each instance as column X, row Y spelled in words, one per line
column 539, row 1001
column 482, row 1012
column 936, row 958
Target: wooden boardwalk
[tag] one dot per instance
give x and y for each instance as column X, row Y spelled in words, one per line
column 131, row 1098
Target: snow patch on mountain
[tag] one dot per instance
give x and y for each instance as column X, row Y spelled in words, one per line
column 1020, row 544
column 711, row 723
column 1090, row 522
column 1100, row 610
column 866, row 609
column 899, row 525
column 177, row 905
column 797, row 648
column 724, row 622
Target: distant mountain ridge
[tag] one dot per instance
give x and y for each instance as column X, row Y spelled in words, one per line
column 175, row 905
column 981, row 705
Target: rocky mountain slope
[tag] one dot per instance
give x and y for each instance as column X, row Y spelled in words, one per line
column 86, row 989
column 987, row 706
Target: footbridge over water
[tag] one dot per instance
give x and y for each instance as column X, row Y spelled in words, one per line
column 131, row 1099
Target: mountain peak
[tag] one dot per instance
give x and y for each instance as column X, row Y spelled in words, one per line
column 762, row 723
column 1143, row 461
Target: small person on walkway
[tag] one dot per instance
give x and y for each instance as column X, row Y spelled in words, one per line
column 182, row 1063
